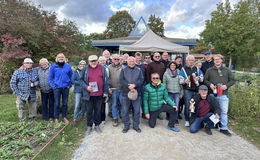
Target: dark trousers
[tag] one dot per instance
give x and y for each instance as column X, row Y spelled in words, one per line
column 47, row 105
column 94, row 110
column 103, row 110
column 165, row 108
column 126, row 103
column 58, row 93
column 181, row 104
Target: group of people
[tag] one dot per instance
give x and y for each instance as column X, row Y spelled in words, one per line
column 141, row 85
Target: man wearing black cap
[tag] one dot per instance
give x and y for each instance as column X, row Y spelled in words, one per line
column 208, row 63
column 205, row 106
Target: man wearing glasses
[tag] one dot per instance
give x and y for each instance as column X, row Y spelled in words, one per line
column 154, row 97
column 95, row 86
column 155, row 67
column 23, row 84
column 220, row 78
column 115, row 88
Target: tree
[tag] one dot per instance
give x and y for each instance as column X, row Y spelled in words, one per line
column 234, row 33
column 119, row 25
column 156, row 25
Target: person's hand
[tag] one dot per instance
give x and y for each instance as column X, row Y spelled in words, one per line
column 105, row 95
column 196, row 78
column 224, row 87
column 176, row 108
column 212, row 87
column 131, row 86
column 217, row 116
column 147, row 116
column 90, row 89
column 191, row 107
column 187, row 81
column 180, row 96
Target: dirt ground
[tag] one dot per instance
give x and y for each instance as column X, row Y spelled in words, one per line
column 162, row 144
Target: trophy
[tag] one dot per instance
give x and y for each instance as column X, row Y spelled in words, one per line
column 192, row 107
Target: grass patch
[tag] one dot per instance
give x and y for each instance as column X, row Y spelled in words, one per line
column 248, row 129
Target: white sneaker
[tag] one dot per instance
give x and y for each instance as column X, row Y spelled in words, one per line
column 187, row 123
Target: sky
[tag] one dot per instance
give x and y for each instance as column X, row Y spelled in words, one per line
column 182, row 18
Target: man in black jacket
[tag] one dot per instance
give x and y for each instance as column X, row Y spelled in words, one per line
column 208, row 63
column 205, row 106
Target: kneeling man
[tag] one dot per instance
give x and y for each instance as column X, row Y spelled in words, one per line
column 205, row 106
column 155, row 95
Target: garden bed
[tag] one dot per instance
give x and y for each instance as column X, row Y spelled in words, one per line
column 23, row 140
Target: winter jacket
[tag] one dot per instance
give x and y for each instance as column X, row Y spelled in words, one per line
column 206, row 65
column 43, row 74
column 155, row 97
column 76, row 81
column 131, row 76
column 60, row 77
column 84, row 82
column 225, row 77
column 214, row 106
column 21, row 84
column 154, row 67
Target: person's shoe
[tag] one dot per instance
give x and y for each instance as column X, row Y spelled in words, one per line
column 56, row 121
column 98, row 129
column 160, row 117
column 65, row 120
column 89, row 130
column 179, row 116
column 138, row 130
column 115, row 123
column 74, row 122
column 173, row 129
column 125, row 130
column 82, row 119
column 208, row 131
column 177, row 121
column 187, row 123
column 226, row 132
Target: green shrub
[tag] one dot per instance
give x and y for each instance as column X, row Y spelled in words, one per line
column 245, row 100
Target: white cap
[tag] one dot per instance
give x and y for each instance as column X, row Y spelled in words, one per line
column 27, row 60
column 82, row 62
column 92, row 58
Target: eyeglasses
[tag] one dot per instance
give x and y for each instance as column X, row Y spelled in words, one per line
column 147, row 57
column 116, row 59
column 157, row 56
column 93, row 61
column 155, row 78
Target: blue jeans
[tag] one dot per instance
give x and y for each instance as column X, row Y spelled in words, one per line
column 136, row 111
column 58, row 92
column 175, row 97
column 116, row 105
column 187, row 97
column 47, row 105
column 79, row 105
column 195, row 126
column 223, row 104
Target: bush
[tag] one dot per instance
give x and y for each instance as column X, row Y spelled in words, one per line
column 6, row 71
column 245, row 100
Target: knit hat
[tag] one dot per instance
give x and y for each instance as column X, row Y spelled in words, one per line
column 132, row 95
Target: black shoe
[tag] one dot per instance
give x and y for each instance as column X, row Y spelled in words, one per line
column 177, row 122
column 138, row 130
column 226, row 132
column 179, row 116
column 125, row 130
column 208, row 131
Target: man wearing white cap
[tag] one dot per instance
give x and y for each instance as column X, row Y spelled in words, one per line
column 23, row 84
column 94, row 88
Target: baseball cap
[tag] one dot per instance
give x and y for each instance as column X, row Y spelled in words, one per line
column 27, row 60
column 207, row 52
column 92, row 58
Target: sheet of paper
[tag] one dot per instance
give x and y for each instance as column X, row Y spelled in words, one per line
column 213, row 119
column 94, row 86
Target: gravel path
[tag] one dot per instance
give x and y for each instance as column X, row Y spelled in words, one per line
column 162, row 144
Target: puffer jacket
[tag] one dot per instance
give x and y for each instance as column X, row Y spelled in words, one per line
column 155, row 97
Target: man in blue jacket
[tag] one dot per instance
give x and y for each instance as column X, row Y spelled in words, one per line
column 60, row 82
